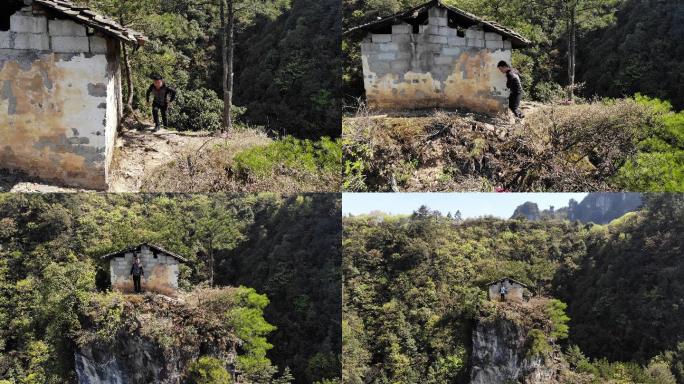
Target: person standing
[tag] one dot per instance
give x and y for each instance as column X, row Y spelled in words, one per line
column 164, row 95
column 514, row 84
column 503, row 291
column 137, row 272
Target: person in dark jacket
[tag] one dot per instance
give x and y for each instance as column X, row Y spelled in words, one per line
column 164, row 95
column 137, row 272
column 514, row 84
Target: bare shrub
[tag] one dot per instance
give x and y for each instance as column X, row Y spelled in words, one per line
column 557, row 148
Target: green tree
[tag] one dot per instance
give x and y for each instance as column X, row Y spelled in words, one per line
column 244, row 13
column 247, row 318
column 559, row 320
column 208, row 370
column 215, row 228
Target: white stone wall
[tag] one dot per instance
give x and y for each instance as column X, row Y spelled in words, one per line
column 113, row 111
column 161, row 272
column 435, row 67
column 58, row 100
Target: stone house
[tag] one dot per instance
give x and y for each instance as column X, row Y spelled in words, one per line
column 516, row 290
column 436, row 56
column 60, row 90
column 160, row 267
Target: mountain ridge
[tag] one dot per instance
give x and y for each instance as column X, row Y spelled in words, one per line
column 598, row 208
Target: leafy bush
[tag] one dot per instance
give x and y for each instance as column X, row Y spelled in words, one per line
column 537, row 345
column 196, row 110
column 550, row 92
column 659, row 164
column 264, row 161
column 208, row 370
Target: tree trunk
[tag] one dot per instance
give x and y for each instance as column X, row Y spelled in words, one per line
column 129, row 76
column 572, row 36
column 227, row 54
column 129, row 79
column 231, row 53
column 224, row 66
column 211, row 267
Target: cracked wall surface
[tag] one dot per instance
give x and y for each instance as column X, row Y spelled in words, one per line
column 59, row 100
column 161, row 272
column 438, row 67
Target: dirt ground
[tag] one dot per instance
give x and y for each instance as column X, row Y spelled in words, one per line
column 138, row 154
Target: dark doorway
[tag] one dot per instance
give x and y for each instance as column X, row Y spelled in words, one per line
column 7, row 9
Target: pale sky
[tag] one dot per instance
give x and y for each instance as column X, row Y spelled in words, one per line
column 471, row 205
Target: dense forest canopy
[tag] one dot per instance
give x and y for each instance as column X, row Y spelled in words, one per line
column 623, row 47
column 413, row 287
column 279, row 81
column 285, row 248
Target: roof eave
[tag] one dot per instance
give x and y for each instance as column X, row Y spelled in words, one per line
column 517, row 40
column 125, row 35
column 156, row 247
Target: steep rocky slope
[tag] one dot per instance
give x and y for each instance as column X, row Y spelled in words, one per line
column 151, row 339
column 512, row 344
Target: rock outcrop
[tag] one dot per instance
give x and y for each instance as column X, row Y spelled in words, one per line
column 153, row 341
column 598, row 208
column 131, row 358
column 501, row 350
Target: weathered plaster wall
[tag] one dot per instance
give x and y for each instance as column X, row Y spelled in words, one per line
column 515, row 292
column 435, row 67
column 58, row 115
column 161, row 273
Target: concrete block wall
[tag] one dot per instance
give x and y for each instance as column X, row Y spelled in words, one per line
column 436, row 67
column 161, row 273
column 62, row 127
column 35, row 32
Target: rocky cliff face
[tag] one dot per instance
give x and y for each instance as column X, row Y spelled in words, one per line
column 153, row 340
column 501, row 349
column 529, row 211
column 602, row 208
column 131, row 358
column 599, row 208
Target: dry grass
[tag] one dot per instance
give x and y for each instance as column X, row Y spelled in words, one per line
column 212, row 168
column 557, row 148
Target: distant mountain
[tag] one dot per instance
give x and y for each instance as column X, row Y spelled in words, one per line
column 529, row 210
column 599, row 208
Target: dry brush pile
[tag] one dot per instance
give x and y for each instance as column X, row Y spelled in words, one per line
column 557, row 148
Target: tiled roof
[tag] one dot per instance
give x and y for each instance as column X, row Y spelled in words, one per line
column 507, row 278
column 83, row 15
column 490, row 26
column 155, row 247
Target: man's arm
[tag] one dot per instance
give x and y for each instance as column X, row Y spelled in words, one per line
column 131, row 269
column 516, row 83
column 149, row 92
column 172, row 94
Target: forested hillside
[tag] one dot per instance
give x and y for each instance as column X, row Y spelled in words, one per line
column 287, row 313
column 640, row 52
column 414, row 288
column 279, row 82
